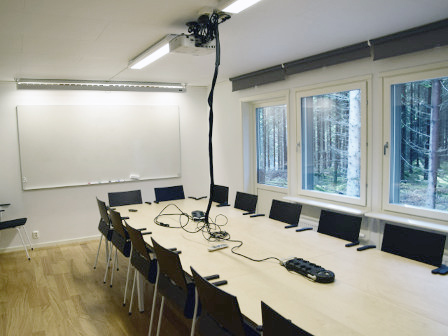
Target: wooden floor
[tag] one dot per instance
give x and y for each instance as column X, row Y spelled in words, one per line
column 59, row 293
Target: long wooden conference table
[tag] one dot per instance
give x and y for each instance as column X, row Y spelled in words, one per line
column 374, row 293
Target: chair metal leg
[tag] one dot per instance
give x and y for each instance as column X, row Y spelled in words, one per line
column 113, row 267
column 27, row 238
column 98, row 252
column 140, row 293
column 127, row 278
column 195, row 312
column 156, row 285
column 108, row 248
column 159, row 323
column 107, row 265
column 23, row 243
column 132, row 292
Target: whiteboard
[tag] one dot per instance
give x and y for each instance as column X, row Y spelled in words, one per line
column 78, row 145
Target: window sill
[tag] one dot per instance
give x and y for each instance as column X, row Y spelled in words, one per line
column 408, row 221
column 325, row 205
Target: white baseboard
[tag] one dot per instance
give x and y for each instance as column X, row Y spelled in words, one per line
column 48, row 244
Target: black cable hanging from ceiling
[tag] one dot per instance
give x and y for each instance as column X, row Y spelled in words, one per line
column 206, row 30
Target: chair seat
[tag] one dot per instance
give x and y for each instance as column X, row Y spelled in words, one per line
column 19, row 225
column 12, row 223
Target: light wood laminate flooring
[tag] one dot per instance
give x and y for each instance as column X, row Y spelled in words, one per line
column 59, row 293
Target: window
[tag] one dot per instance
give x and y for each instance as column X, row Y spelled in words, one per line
column 418, row 141
column 272, row 145
column 332, row 128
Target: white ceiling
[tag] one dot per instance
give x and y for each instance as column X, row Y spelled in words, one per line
column 95, row 39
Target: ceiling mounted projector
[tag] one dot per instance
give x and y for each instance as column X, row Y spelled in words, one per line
column 185, row 44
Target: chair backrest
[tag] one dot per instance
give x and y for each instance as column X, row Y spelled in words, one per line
column 170, row 265
column 275, row 324
column 285, row 212
column 427, row 247
column 138, row 243
column 221, row 306
column 169, row 193
column 246, row 202
column 339, row 225
column 117, row 224
column 103, row 211
column 220, row 194
column 125, row 198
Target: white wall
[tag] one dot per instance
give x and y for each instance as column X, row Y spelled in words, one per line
column 229, row 122
column 71, row 213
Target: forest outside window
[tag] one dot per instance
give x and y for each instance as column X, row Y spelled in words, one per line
column 332, row 125
column 418, row 164
column 271, row 142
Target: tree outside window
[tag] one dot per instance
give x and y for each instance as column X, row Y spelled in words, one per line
column 272, row 149
column 419, row 144
column 331, row 143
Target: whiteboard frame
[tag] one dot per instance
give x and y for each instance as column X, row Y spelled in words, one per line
column 73, row 145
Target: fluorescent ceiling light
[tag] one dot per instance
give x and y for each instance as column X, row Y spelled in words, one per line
column 239, row 5
column 152, row 57
column 70, row 84
column 153, row 53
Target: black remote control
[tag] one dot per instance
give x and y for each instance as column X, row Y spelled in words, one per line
column 304, row 229
column 291, row 226
column 312, row 271
column 352, row 244
column 365, row 247
column 220, row 283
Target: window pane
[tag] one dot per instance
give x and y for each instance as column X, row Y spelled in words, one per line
column 272, row 142
column 331, row 143
column 419, row 148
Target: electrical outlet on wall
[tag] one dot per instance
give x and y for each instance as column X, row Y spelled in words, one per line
column 35, row 234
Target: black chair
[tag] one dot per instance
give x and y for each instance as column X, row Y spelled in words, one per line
column 125, row 198
column 105, row 228
column 172, row 283
column 275, row 324
column 339, row 225
column 285, row 212
column 220, row 194
column 169, row 193
column 423, row 246
column 18, row 224
column 246, row 202
column 220, row 312
column 120, row 239
column 141, row 259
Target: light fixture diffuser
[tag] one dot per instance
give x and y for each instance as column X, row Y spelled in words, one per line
column 239, row 5
column 71, row 84
column 153, row 53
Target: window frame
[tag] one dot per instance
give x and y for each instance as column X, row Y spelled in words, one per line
column 361, row 84
column 389, row 79
column 260, row 104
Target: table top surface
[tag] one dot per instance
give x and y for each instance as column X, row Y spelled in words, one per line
column 374, row 293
